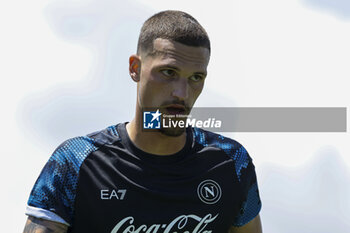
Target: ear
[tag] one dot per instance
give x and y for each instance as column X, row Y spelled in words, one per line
column 135, row 67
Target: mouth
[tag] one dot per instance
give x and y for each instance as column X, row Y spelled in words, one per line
column 175, row 109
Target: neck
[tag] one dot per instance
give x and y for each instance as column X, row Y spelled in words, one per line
column 154, row 142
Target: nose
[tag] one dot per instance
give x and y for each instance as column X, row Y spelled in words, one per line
column 180, row 89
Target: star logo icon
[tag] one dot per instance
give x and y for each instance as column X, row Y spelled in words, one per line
column 156, row 115
column 151, row 119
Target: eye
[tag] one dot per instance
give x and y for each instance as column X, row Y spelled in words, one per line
column 168, row 72
column 196, row 78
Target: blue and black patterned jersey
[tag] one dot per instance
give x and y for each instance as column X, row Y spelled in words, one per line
column 103, row 183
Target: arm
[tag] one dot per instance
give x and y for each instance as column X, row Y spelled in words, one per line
column 254, row 226
column 37, row 225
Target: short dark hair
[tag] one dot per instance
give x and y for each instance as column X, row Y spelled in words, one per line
column 173, row 25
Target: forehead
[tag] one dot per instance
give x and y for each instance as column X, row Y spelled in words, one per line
column 168, row 51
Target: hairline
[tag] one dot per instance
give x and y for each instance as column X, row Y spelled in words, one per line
column 152, row 52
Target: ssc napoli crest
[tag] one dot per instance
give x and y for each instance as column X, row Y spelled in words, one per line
column 209, row 191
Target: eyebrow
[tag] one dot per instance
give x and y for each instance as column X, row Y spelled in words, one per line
column 177, row 69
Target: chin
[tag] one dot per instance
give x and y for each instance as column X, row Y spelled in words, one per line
column 172, row 132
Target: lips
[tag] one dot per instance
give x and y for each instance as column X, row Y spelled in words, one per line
column 175, row 109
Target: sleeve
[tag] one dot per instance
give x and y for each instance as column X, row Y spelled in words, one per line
column 53, row 194
column 250, row 205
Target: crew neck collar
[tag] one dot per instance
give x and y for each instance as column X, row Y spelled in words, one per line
column 171, row 158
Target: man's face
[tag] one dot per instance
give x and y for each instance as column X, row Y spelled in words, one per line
column 172, row 78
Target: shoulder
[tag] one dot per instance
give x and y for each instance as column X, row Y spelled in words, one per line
column 76, row 149
column 230, row 146
column 54, row 191
column 233, row 149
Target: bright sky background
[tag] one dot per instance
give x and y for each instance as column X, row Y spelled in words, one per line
column 64, row 73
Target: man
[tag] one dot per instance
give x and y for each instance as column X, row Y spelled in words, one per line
column 127, row 179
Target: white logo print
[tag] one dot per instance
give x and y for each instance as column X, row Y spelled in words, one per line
column 118, row 194
column 209, row 192
column 126, row 225
column 151, row 120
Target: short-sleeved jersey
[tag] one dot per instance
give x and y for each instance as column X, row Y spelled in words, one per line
column 103, row 183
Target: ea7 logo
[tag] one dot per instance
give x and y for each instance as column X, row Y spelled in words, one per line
column 107, row 194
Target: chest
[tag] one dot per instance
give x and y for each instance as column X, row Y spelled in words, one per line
column 117, row 194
